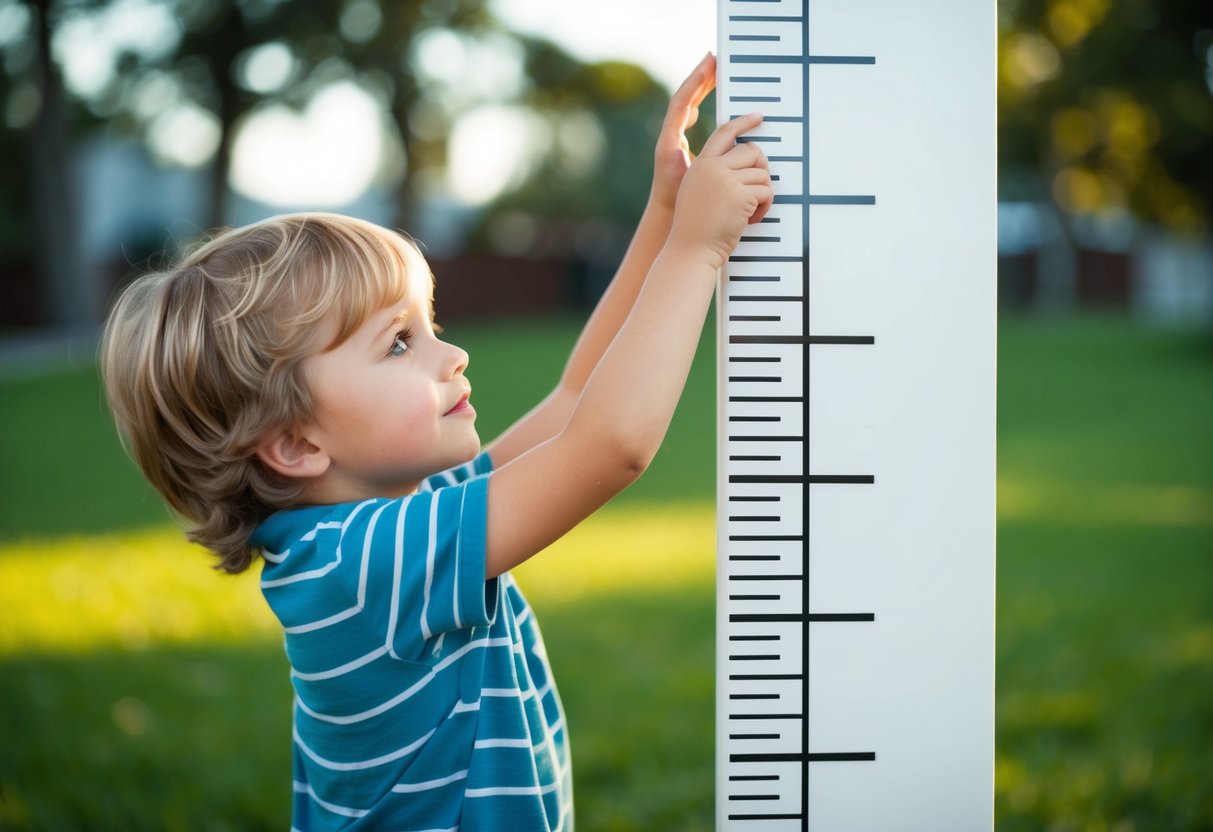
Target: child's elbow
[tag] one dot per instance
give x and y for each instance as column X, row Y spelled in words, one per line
column 615, row 450
column 630, row 456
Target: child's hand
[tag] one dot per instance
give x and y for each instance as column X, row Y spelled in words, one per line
column 726, row 187
column 673, row 154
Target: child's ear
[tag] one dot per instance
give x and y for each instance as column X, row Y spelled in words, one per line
column 292, row 455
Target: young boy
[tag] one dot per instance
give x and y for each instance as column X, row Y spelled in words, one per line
column 285, row 390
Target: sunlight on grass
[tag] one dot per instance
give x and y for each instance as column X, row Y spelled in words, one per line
column 152, row 588
column 1103, row 505
column 635, row 549
column 139, row 590
column 129, row 591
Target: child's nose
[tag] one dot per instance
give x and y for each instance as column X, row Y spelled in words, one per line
column 456, row 360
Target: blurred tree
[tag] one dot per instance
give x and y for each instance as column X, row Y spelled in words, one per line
column 578, row 195
column 36, row 127
column 220, row 63
column 208, row 65
column 1108, row 104
column 392, row 42
column 593, row 169
column 1112, row 102
column 587, row 175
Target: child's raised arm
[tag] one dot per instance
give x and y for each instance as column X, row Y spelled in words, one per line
column 671, row 159
column 622, row 414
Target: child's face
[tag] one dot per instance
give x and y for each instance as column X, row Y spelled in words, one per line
column 391, row 405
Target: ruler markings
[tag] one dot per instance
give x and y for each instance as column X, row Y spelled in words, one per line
column 766, row 438
column 842, row 199
column 765, row 577
column 814, row 757
column 805, row 200
column 842, row 59
column 777, row 617
column 764, row 18
column 812, row 479
column 802, row 339
column 802, row 59
column 765, row 398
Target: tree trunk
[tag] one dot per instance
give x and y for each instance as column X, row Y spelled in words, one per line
column 230, row 106
column 69, row 294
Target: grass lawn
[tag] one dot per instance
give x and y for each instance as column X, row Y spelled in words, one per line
column 140, row 691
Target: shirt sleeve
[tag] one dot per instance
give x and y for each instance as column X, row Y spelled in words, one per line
column 438, row 567
column 403, row 571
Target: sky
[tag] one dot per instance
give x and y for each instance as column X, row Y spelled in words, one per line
column 666, row 37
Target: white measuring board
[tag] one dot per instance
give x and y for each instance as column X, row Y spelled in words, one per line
column 857, row 332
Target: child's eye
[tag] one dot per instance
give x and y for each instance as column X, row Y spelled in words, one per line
column 401, row 345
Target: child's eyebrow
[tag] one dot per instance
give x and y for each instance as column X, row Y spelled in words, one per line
column 397, row 322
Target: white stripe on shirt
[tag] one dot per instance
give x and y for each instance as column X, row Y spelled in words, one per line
column 341, row 670
column 332, row 524
column 357, row 765
column 408, row 788
column 360, row 600
column 431, row 549
column 504, row 742
column 328, row 567
column 412, row 690
column 304, row 788
column 458, row 561
column 393, row 614
column 512, row 790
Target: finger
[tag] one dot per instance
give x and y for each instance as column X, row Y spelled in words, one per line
column 698, row 84
column 726, row 135
column 766, row 198
column 746, row 155
column 754, row 176
column 707, row 81
column 692, row 117
column 683, row 111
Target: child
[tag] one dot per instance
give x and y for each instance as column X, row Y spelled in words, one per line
column 285, row 390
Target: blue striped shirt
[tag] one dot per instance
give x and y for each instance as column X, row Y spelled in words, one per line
column 423, row 695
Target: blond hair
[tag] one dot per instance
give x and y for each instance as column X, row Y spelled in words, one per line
column 204, row 361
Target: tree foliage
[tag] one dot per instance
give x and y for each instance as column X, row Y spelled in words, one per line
column 1109, row 105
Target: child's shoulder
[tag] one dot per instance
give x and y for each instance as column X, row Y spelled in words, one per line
column 285, row 529
column 482, row 463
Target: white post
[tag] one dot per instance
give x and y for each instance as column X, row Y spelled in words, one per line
column 856, row 418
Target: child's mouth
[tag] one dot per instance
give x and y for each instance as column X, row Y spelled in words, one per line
column 461, row 406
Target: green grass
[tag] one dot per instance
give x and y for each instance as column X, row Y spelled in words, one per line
column 140, row 691
column 63, row 471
